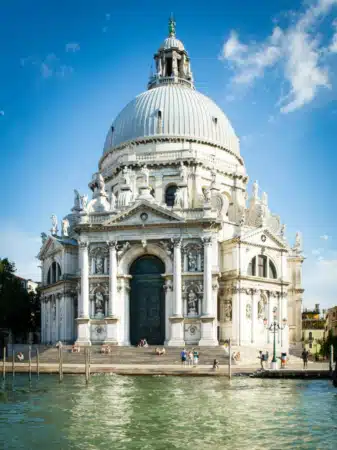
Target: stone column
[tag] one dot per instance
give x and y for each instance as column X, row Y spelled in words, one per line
column 270, row 319
column 254, row 314
column 177, row 310
column 112, row 321
column 207, row 303
column 168, row 288
column 83, row 321
column 208, row 322
column 177, row 320
column 112, row 279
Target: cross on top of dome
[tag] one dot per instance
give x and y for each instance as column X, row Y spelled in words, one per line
column 172, row 62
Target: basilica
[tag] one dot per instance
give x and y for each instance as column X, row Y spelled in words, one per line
column 170, row 245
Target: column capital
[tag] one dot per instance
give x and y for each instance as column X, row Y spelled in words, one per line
column 207, row 240
column 112, row 245
column 177, row 242
column 83, row 244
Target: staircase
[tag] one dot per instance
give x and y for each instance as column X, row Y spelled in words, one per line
column 126, row 355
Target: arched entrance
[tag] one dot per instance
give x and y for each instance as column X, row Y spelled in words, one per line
column 147, row 300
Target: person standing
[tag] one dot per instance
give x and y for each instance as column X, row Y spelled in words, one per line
column 261, row 358
column 183, row 356
column 305, row 355
column 195, row 357
column 190, row 358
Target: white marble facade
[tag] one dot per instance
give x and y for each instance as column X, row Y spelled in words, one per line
column 173, row 186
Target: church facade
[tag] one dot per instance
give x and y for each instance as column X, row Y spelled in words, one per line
column 171, row 247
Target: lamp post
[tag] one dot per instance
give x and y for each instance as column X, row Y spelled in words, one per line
column 274, row 328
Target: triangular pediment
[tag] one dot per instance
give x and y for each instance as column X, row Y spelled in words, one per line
column 50, row 246
column 263, row 237
column 144, row 213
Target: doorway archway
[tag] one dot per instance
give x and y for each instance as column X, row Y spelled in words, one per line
column 147, row 300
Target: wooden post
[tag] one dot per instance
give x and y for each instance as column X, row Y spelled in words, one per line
column 331, row 358
column 13, row 363
column 37, row 362
column 86, row 365
column 60, row 363
column 4, row 364
column 229, row 359
column 30, row 362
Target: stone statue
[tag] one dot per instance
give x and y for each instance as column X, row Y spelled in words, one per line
column 84, row 202
column 112, row 201
column 264, row 198
column 126, row 175
column 146, row 173
column 183, row 172
column 54, row 310
column 260, row 310
column 207, row 195
column 65, row 227
column 255, row 189
column 44, row 237
column 54, row 228
column 298, row 242
column 192, row 303
column 99, row 265
column 100, row 183
column 99, row 303
column 77, row 201
column 283, row 231
column 178, row 198
column 228, row 311
column 192, row 262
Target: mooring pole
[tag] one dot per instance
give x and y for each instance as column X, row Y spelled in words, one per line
column 4, row 364
column 86, row 353
column 37, row 362
column 60, row 363
column 13, row 363
column 331, row 359
column 229, row 359
column 30, row 362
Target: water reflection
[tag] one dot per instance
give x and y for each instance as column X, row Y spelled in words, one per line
column 168, row 413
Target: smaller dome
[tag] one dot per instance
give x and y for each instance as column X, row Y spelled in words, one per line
column 172, row 42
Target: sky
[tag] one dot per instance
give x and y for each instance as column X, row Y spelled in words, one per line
column 68, row 67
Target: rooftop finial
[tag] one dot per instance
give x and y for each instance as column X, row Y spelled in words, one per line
column 172, row 26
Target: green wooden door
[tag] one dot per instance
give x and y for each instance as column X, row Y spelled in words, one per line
column 147, row 301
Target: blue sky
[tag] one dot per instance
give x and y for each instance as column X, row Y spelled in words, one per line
column 68, row 68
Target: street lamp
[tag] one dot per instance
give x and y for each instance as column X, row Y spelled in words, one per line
column 274, row 328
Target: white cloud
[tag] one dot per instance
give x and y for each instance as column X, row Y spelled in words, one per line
column 324, row 237
column 2, row 112
column 107, row 16
column 317, row 251
column 72, row 47
column 296, row 49
column 105, row 29
column 48, row 67
column 21, row 247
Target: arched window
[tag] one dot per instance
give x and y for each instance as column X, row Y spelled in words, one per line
column 54, row 273
column 169, row 194
column 261, row 266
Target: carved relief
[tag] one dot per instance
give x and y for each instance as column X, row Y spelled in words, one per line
column 168, row 286
column 227, row 310
column 248, row 311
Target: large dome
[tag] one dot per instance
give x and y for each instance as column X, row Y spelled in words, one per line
column 172, row 111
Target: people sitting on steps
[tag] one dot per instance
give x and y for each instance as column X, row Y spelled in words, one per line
column 160, row 351
column 215, row 364
column 143, row 343
column 20, row 356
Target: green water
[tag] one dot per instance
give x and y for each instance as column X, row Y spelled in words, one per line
column 116, row 412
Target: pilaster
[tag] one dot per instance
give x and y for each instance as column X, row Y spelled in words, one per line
column 176, row 320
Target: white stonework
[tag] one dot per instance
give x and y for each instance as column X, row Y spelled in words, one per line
column 227, row 263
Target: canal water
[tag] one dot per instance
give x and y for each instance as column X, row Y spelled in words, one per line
column 119, row 412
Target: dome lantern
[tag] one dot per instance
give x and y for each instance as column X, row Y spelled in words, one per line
column 172, row 62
